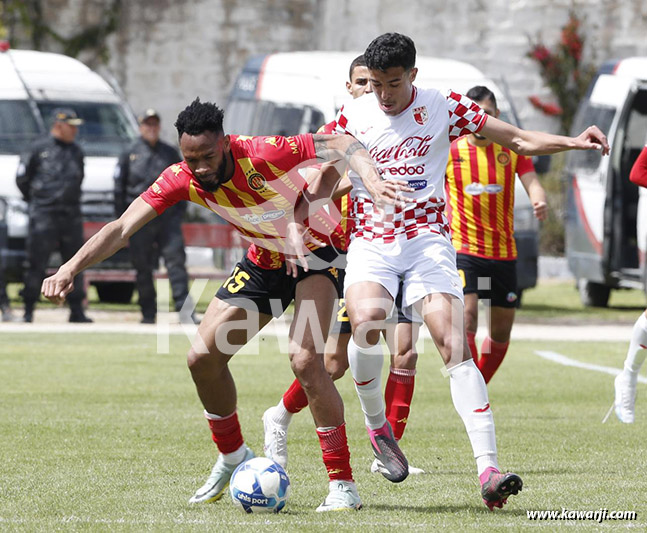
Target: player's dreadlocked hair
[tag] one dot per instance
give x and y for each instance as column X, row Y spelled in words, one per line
column 479, row 93
column 199, row 117
column 359, row 61
column 390, row 50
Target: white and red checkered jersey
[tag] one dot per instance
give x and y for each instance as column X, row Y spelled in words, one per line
column 412, row 146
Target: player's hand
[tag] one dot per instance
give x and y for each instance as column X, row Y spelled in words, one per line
column 592, row 139
column 296, row 241
column 57, row 287
column 540, row 210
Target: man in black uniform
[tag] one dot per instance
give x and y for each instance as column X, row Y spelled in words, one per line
column 138, row 167
column 49, row 177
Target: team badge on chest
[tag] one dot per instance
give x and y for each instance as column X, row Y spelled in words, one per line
column 420, row 115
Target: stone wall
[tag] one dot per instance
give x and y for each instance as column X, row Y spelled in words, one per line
column 165, row 53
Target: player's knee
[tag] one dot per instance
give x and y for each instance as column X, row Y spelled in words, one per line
column 201, row 362
column 367, row 327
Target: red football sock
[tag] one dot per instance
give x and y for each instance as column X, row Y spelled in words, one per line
column 226, row 433
column 471, row 342
column 336, row 455
column 397, row 397
column 492, row 354
column 295, row 399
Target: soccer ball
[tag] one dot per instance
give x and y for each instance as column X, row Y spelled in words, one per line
column 259, row 486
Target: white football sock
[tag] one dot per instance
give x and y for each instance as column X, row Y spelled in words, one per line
column 470, row 398
column 637, row 351
column 280, row 415
column 366, row 368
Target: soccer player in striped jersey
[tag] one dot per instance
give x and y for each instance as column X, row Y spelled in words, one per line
column 408, row 132
column 480, row 193
column 625, row 382
column 254, row 184
column 401, row 333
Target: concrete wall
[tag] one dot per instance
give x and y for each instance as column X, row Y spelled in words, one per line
column 165, row 53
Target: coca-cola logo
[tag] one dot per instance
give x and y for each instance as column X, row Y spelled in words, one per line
column 414, row 146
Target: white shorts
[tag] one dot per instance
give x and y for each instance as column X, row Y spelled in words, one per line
column 426, row 265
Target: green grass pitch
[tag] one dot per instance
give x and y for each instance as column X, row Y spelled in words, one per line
column 101, row 433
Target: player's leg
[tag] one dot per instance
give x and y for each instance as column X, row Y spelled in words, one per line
column 314, row 299
column 625, row 382
column 433, row 270
column 500, row 308
column 443, row 315
column 400, row 384
column 239, row 310
column 495, row 345
column 470, row 277
column 277, row 418
column 368, row 305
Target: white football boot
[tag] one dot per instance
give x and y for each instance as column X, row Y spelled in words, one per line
column 625, row 389
column 276, row 439
column 342, row 496
column 218, row 480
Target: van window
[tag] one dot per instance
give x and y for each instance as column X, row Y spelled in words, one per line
column 18, row 126
column 258, row 117
column 602, row 117
column 106, row 130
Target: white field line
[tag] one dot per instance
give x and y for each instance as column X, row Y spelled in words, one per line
column 567, row 361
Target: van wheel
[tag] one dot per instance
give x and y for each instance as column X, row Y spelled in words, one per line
column 593, row 294
column 115, row 292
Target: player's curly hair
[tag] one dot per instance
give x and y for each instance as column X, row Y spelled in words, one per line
column 390, row 50
column 199, row 117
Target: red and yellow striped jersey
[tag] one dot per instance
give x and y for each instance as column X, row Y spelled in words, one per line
column 260, row 197
column 480, row 194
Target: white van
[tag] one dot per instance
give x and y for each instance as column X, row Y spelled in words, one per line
column 32, row 84
column 606, row 232
column 297, row 92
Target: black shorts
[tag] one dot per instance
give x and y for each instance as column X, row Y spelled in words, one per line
column 341, row 323
column 498, row 279
column 271, row 291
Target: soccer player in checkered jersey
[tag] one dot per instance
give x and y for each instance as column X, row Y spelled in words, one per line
column 480, row 199
column 408, row 131
column 400, row 334
column 625, row 382
column 254, row 184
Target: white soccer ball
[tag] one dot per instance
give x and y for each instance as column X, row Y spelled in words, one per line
column 259, row 486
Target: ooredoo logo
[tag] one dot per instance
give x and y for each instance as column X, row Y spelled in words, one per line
column 406, row 170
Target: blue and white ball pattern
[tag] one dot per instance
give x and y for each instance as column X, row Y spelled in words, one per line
column 259, row 486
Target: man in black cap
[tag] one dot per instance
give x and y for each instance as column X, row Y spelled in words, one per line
column 49, row 177
column 138, row 167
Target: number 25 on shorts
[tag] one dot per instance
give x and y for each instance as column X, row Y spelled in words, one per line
column 236, row 281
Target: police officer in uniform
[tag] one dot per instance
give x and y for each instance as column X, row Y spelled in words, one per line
column 138, row 167
column 49, row 177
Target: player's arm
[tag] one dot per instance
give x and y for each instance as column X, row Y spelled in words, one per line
column 112, row 237
column 526, row 142
column 536, row 194
column 346, row 148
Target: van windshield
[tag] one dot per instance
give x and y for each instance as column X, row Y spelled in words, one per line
column 106, row 130
column 18, row 126
column 259, row 117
